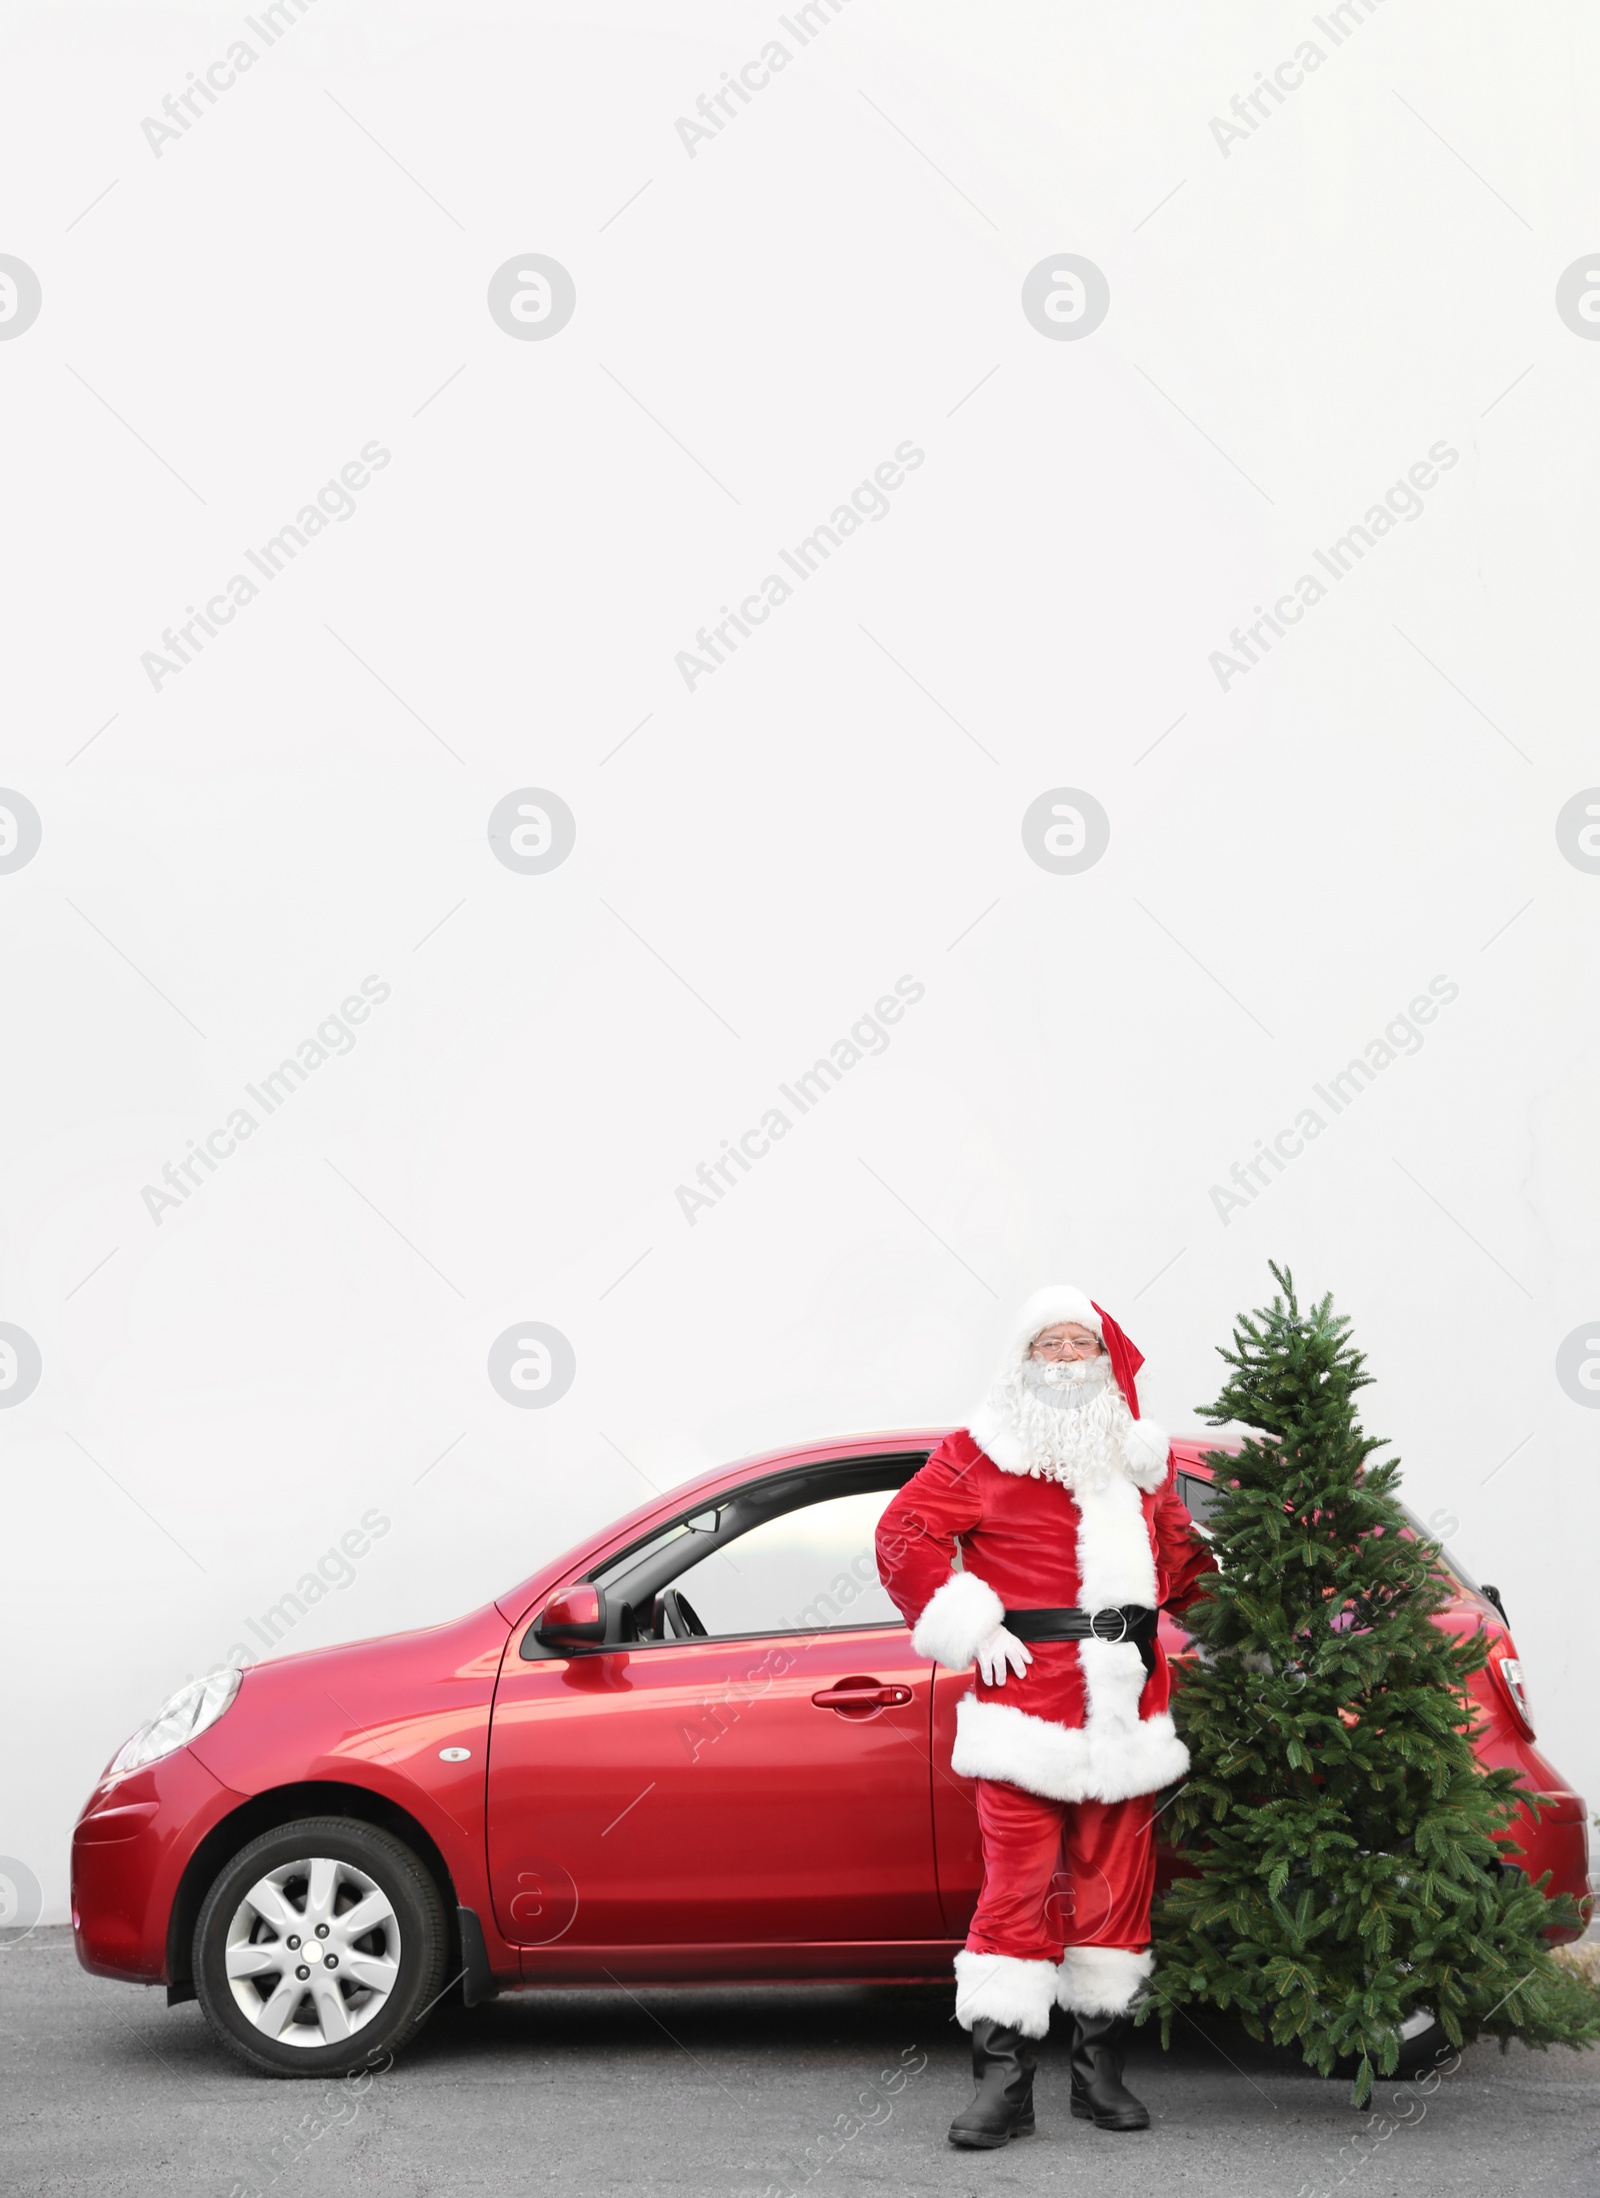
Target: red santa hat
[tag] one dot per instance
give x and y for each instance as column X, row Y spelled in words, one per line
column 1057, row 1302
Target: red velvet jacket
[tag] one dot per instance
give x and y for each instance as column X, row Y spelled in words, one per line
column 1084, row 1720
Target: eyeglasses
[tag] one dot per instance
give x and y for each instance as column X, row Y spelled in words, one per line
column 1073, row 1346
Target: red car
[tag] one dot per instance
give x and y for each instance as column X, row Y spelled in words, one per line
column 699, row 1747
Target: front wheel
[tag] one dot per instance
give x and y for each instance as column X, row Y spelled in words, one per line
column 320, row 1948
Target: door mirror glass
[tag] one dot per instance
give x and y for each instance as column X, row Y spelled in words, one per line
column 576, row 1617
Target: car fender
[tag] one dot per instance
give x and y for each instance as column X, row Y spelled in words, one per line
column 405, row 1717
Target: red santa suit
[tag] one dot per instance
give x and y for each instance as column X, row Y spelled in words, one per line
column 1052, row 1506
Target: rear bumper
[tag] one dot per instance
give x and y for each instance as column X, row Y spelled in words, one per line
column 129, row 1850
column 1557, row 1840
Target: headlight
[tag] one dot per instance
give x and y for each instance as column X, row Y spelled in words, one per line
column 189, row 1712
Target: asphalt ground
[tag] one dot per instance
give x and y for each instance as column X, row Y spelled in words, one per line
column 747, row 2093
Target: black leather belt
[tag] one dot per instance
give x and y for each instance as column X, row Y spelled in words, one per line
column 1134, row 1622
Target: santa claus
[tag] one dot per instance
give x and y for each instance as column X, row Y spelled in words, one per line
column 1038, row 1543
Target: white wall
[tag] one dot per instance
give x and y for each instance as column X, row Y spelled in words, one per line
column 225, row 1394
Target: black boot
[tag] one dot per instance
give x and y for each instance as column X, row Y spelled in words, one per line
column 1002, row 2062
column 1099, row 2094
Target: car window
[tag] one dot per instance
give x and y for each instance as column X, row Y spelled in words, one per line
column 706, row 1524
column 810, row 1571
column 1199, row 1499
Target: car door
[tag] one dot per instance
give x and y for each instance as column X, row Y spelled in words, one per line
column 677, row 1805
column 957, row 1840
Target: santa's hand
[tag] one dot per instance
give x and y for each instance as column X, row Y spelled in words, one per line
column 1001, row 1653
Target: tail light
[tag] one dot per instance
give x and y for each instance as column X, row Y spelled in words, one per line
column 1507, row 1671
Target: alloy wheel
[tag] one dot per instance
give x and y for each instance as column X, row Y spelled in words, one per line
column 313, row 1952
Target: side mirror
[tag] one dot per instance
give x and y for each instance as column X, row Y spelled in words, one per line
column 574, row 1618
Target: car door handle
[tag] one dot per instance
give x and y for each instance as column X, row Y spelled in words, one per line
column 872, row 1696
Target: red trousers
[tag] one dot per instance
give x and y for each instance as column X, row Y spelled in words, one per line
column 1062, row 1873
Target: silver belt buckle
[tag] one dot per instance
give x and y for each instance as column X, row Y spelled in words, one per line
column 1121, row 1617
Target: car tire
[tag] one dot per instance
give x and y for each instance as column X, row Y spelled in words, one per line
column 1420, row 2049
column 1425, row 2048
column 320, row 1948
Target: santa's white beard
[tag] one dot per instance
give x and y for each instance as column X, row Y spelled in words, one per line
column 1068, row 1418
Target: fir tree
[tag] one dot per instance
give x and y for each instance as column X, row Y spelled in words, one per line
column 1342, row 1829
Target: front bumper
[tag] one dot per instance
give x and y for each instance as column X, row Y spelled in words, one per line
column 129, row 1851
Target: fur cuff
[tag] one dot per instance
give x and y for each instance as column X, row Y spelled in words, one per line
column 1100, row 1980
column 999, row 1988
column 964, row 1612
column 1145, row 1446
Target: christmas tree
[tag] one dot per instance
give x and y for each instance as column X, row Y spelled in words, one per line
column 1342, row 1829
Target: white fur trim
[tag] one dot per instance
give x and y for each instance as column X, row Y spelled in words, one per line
column 1145, row 1446
column 1116, row 1564
column 956, row 1618
column 1000, row 1988
column 992, row 1436
column 1142, row 1458
column 1101, row 1980
column 1047, row 1308
column 990, row 1426
column 1109, row 1762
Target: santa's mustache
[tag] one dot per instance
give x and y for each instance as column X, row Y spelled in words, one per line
column 1055, row 1376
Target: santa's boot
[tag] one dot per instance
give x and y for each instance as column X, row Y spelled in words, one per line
column 1002, row 2062
column 1099, row 2094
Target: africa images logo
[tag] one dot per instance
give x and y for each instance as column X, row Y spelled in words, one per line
column 334, row 1034
column 1403, row 501
column 334, row 502
column 867, row 1034
column 867, row 502
column 1401, row 1035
